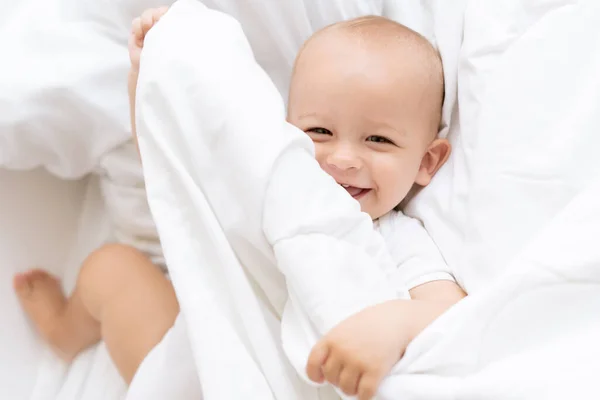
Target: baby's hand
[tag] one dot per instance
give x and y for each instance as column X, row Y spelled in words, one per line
column 359, row 352
column 139, row 28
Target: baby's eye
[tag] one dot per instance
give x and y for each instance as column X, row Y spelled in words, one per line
column 379, row 139
column 320, row 131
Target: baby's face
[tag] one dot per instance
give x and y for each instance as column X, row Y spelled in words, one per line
column 369, row 130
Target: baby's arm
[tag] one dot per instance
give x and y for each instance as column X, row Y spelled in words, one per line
column 444, row 292
column 359, row 352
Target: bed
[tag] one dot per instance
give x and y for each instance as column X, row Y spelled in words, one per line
column 513, row 211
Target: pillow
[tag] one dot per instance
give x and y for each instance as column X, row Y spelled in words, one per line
column 537, row 126
column 527, row 89
column 441, row 206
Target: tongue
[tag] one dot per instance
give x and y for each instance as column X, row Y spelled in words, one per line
column 354, row 191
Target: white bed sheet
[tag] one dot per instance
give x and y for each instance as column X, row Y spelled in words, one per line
column 50, row 223
column 24, row 242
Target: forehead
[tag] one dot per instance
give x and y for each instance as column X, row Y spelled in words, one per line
column 347, row 69
column 337, row 52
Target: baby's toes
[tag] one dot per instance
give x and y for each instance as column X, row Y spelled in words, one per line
column 21, row 284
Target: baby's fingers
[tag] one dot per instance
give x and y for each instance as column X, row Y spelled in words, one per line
column 332, row 369
column 367, row 386
column 316, row 360
column 349, row 378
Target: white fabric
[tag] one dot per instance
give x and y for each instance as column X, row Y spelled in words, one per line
column 528, row 121
column 500, row 342
column 58, row 111
column 532, row 334
column 50, row 223
column 24, row 244
column 523, row 133
column 296, row 244
column 532, row 160
column 500, row 70
column 124, row 193
column 69, row 105
column 415, row 255
column 442, row 205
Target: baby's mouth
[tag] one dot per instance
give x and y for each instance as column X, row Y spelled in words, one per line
column 355, row 192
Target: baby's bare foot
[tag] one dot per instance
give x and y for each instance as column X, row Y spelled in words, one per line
column 44, row 302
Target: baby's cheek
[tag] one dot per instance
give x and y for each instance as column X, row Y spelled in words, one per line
column 400, row 184
column 320, row 154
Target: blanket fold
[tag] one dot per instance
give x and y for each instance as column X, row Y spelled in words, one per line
column 270, row 237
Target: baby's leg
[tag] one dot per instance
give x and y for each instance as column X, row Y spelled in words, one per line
column 120, row 297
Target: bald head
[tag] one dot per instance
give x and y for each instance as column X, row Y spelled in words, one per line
column 369, row 94
column 396, row 45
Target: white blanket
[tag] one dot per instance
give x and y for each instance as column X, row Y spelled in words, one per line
column 217, row 207
column 257, row 205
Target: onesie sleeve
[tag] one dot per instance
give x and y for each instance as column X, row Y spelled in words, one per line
column 416, row 256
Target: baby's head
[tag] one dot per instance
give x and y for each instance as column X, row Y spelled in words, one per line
column 369, row 93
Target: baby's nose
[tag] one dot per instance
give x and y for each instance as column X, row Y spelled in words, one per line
column 344, row 158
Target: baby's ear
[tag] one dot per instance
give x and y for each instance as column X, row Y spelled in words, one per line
column 437, row 154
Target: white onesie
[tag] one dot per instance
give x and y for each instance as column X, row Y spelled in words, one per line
column 124, row 193
column 417, row 258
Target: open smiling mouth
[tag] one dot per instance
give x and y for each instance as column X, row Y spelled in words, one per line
column 355, row 192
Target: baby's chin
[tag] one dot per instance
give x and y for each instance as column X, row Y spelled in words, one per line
column 375, row 208
column 375, row 212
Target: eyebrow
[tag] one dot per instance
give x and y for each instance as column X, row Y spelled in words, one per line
column 308, row 114
column 401, row 132
column 387, row 127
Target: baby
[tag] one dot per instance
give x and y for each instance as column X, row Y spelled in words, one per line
column 369, row 93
